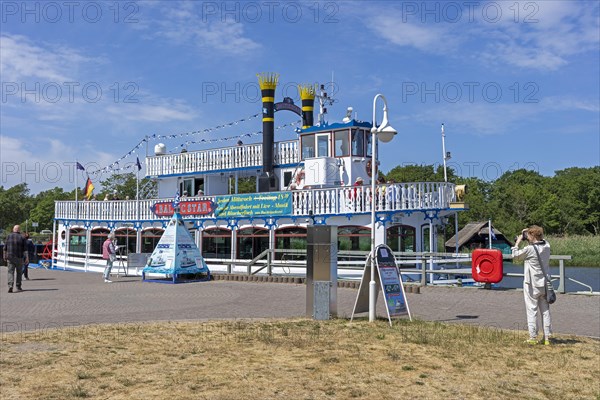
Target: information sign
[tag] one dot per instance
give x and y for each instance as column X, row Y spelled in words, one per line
column 388, row 278
column 254, row 204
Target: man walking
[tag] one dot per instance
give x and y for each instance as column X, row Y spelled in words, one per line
column 109, row 254
column 15, row 252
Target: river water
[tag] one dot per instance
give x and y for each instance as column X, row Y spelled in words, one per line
column 587, row 275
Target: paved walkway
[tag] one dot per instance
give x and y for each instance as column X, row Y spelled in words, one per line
column 58, row 298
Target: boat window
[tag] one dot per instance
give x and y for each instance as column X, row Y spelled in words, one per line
column 358, row 143
column 342, row 144
column 187, row 186
column 252, row 242
column 150, row 238
column 77, row 240
column 308, row 146
column 323, row 145
column 99, row 235
column 287, row 178
column 369, row 145
column 290, row 238
column 401, row 238
column 126, row 240
column 356, row 238
column 216, row 243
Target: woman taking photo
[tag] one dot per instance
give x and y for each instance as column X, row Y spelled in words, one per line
column 534, row 282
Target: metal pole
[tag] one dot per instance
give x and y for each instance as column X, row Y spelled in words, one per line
column 561, row 272
column 52, row 244
column 444, row 153
column 372, row 283
column 456, row 231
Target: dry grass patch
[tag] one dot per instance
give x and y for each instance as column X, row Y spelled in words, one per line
column 294, row 359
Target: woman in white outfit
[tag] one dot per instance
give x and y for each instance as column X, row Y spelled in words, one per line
column 534, row 282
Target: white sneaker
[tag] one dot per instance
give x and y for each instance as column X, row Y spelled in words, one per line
column 107, row 281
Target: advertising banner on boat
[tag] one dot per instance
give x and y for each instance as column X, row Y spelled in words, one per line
column 254, row 204
column 195, row 207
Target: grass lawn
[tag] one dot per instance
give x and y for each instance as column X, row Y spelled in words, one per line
column 294, row 359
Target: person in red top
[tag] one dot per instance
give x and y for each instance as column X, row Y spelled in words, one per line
column 357, row 194
column 109, row 254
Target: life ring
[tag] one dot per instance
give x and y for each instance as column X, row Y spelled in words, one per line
column 369, row 168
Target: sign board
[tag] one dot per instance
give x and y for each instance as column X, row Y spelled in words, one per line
column 137, row 260
column 176, row 253
column 194, row 207
column 35, row 224
column 254, row 204
column 388, row 278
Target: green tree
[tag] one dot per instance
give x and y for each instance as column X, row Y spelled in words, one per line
column 420, row 173
column 517, row 198
column 15, row 205
column 477, row 199
column 125, row 186
column 43, row 212
column 577, row 191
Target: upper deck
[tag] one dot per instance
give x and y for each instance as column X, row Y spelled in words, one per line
column 337, row 201
column 249, row 156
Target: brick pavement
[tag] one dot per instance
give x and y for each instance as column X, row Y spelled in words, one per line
column 58, row 298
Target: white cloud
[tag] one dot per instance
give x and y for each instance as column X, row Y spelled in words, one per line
column 173, row 111
column 500, row 119
column 532, row 35
column 183, row 24
column 22, row 59
column 44, row 163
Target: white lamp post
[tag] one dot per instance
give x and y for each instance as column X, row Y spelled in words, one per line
column 385, row 133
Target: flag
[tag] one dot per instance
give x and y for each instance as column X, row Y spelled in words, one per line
column 79, row 166
column 137, row 162
column 89, row 189
column 176, row 201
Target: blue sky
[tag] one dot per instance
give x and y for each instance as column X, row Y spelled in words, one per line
column 515, row 83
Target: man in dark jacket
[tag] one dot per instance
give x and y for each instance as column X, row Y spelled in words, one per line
column 15, row 252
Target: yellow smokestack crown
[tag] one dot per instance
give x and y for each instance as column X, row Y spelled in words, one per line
column 268, row 80
column 307, row 92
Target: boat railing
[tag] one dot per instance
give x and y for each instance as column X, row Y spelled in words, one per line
column 417, row 196
column 227, row 158
column 409, row 263
column 388, row 197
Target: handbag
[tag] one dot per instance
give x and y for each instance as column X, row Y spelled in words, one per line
column 550, row 293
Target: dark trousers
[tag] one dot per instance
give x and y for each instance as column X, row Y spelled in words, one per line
column 25, row 270
column 14, row 263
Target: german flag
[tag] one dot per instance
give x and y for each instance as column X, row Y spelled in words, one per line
column 89, row 189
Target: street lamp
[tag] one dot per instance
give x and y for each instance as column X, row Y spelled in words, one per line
column 385, row 133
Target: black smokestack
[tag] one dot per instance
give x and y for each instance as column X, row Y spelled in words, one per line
column 268, row 83
column 307, row 94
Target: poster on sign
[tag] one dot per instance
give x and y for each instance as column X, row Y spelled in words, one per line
column 391, row 284
column 388, row 278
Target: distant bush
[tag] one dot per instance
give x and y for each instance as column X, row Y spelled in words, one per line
column 584, row 249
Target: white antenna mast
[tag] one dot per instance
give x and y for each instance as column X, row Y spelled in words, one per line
column 324, row 100
column 445, row 155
